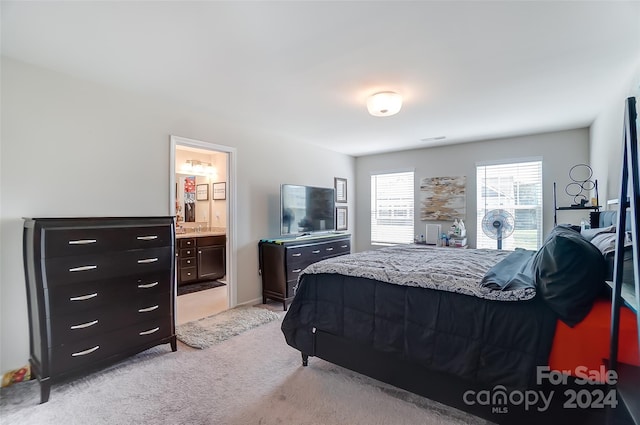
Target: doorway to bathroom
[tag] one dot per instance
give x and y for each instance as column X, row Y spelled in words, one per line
column 202, row 189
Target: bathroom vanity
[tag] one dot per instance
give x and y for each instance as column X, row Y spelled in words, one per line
column 201, row 256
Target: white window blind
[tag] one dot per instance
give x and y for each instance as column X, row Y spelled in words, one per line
column 517, row 188
column 392, row 208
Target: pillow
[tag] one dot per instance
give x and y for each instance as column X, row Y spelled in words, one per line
column 589, row 234
column 569, row 274
column 605, row 242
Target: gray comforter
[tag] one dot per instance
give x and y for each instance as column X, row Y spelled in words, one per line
column 444, row 269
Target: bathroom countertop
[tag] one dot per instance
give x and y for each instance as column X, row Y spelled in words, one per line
column 193, row 234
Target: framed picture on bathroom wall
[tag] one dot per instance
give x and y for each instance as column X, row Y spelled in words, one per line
column 202, row 192
column 220, row 190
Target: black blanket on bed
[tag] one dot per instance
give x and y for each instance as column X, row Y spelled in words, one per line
column 487, row 342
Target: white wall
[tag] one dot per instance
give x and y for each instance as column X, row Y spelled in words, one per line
column 71, row 148
column 606, row 139
column 559, row 152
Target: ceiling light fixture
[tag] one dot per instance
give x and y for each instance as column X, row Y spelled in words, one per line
column 193, row 166
column 384, row 104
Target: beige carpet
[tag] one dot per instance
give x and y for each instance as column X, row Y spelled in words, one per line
column 251, row 378
column 211, row 330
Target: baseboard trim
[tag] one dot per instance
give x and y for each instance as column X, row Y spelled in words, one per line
column 251, row 302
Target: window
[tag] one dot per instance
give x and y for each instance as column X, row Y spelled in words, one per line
column 392, row 208
column 517, row 188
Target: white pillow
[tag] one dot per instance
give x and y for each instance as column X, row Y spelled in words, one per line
column 589, row 234
column 605, row 242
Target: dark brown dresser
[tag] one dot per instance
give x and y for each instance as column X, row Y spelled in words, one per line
column 282, row 260
column 98, row 290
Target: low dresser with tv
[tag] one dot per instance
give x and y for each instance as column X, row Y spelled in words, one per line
column 282, row 260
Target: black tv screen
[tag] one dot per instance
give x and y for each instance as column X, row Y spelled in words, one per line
column 306, row 209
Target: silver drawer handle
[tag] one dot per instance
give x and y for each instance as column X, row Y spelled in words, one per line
column 145, row 310
column 84, row 297
column 82, row 242
column 148, row 260
column 317, row 251
column 147, row 238
column 150, row 331
column 296, row 254
column 188, row 273
column 296, row 271
column 82, row 268
column 343, row 246
column 147, row 285
column 84, row 325
column 329, row 249
column 85, row 352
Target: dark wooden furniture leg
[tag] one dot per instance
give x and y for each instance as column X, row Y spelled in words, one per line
column 305, row 359
column 45, row 390
column 174, row 343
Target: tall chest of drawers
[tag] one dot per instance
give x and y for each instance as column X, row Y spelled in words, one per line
column 98, row 290
column 281, row 261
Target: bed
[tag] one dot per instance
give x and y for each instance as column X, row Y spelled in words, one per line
column 468, row 328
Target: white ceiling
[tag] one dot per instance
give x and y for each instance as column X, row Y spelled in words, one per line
column 302, row 70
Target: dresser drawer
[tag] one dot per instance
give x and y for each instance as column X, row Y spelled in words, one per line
column 186, row 243
column 337, row 248
column 85, row 353
column 307, row 254
column 304, row 255
column 293, row 271
column 70, row 328
column 66, row 270
column 186, row 253
column 188, row 274
column 187, row 262
column 62, row 242
column 80, row 296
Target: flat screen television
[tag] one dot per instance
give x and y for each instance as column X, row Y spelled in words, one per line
column 306, row 210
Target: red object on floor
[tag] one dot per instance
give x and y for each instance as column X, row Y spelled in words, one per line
column 587, row 344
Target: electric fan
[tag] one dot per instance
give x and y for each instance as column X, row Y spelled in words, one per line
column 498, row 224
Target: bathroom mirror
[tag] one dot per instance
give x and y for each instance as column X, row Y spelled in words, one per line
column 191, row 208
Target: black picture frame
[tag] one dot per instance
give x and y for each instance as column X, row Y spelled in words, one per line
column 202, row 192
column 340, row 186
column 219, row 191
column 342, row 217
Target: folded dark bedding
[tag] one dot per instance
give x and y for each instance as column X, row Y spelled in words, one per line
column 513, row 272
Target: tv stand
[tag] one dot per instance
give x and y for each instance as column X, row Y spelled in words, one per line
column 282, row 260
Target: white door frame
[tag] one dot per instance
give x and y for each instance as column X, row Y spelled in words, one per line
column 231, row 259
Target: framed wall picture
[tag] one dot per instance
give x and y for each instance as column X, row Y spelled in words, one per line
column 341, row 218
column 220, row 190
column 202, row 192
column 341, row 189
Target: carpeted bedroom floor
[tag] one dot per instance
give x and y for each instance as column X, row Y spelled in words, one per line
column 251, row 378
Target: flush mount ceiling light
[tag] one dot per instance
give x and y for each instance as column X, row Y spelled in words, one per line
column 384, row 104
